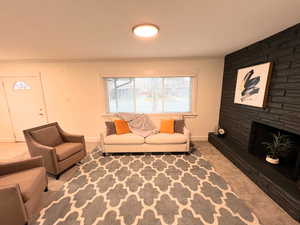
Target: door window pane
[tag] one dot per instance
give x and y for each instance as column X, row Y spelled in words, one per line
column 21, row 85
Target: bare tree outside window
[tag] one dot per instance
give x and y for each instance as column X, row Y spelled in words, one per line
column 149, row 95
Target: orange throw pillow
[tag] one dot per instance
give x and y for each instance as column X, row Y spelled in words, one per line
column 167, row 126
column 121, row 127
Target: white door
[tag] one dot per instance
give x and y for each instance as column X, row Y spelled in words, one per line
column 25, row 102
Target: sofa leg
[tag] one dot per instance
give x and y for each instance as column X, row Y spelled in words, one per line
column 57, row 177
column 46, row 189
column 103, row 153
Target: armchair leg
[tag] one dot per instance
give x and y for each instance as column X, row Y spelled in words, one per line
column 57, row 177
column 46, row 189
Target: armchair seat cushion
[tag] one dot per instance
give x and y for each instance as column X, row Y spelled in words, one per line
column 31, row 181
column 164, row 138
column 119, row 139
column 65, row 150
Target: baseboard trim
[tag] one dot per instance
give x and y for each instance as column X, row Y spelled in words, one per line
column 96, row 139
column 91, row 139
column 199, row 138
column 20, row 139
column 7, row 140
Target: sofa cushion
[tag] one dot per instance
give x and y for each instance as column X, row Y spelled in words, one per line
column 167, row 126
column 179, row 126
column 110, row 128
column 48, row 136
column 163, row 138
column 65, row 150
column 123, row 139
column 121, row 127
column 31, row 181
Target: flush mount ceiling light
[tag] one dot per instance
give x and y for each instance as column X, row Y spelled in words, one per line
column 145, row 30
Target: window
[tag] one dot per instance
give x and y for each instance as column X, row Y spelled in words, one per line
column 149, row 95
column 21, row 85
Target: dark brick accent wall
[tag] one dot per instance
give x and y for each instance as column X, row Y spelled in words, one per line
column 283, row 105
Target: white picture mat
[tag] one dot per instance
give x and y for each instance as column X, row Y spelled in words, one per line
column 256, row 100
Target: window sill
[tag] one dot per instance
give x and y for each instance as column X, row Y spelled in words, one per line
column 158, row 114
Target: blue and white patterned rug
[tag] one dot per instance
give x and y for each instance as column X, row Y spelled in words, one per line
column 146, row 189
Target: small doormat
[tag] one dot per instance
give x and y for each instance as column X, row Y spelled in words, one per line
column 148, row 189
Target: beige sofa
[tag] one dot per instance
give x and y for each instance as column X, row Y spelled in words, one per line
column 160, row 142
column 21, row 186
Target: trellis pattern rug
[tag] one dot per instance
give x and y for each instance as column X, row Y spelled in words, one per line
column 146, row 189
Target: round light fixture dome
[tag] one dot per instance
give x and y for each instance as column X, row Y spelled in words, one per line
column 145, row 30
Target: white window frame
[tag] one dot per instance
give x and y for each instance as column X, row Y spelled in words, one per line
column 194, row 92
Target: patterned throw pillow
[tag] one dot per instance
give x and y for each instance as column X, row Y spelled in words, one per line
column 178, row 126
column 122, row 127
column 167, row 126
column 110, row 128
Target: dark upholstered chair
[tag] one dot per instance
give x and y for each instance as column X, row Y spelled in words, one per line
column 21, row 186
column 59, row 149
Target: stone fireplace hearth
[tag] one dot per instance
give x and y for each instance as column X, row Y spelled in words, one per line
column 279, row 182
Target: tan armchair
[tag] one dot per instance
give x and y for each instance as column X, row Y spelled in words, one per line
column 21, row 186
column 59, row 149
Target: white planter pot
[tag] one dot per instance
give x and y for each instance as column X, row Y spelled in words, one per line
column 271, row 160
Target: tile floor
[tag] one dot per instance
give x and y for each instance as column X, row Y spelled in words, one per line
column 268, row 212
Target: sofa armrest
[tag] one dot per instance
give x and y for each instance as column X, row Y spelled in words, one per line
column 102, row 136
column 187, row 133
column 12, row 209
column 12, row 167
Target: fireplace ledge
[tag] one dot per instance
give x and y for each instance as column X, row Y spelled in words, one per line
column 282, row 190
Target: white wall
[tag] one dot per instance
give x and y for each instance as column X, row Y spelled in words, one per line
column 75, row 96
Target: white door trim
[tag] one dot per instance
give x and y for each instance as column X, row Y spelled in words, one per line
column 8, row 111
column 44, row 98
column 23, row 75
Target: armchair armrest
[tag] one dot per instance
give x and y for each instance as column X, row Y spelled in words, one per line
column 12, row 167
column 71, row 137
column 12, row 209
column 48, row 154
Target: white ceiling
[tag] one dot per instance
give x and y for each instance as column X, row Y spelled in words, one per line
column 90, row 29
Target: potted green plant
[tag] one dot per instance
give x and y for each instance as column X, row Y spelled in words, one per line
column 281, row 143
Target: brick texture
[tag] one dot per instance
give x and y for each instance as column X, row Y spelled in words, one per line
column 283, row 106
